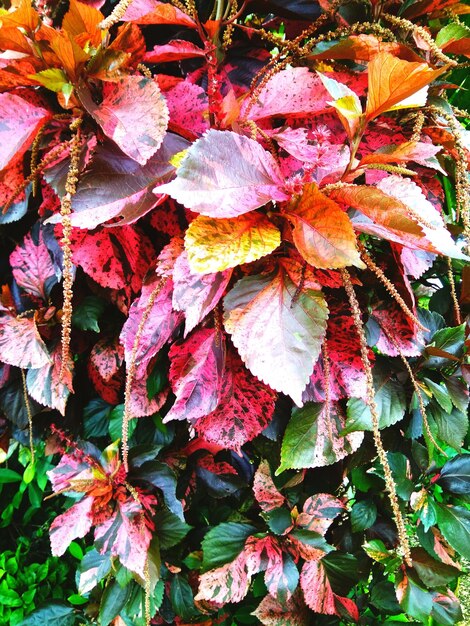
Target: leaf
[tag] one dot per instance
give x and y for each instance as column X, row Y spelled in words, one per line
column 454, row 523
column 87, row 313
column 81, row 22
column 113, row 600
column 53, row 614
column 17, row 131
column 417, row 151
column 194, row 294
column 413, row 597
column 450, row 343
column 291, row 92
column 9, row 476
column 181, row 597
column 105, row 369
column 196, row 375
column 393, row 322
column 446, row 609
column 45, row 385
column 160, row 325
column 228, row 583
column 450, row 427
column 265, row 491
column 323, row 233
column 271, row 612
column 116, row 258
column 20, row 342
column 347, row 104
column 223, row 543
column 176, row 50
column 225, row 175
column 319, row 595
column 454, row 476
column 312, row 438
column 278, row 336
column 214, row 245
column 246, row 408
column 189, row 109
column 318, row 512
column 433, row 573
column 74, row 523
column 32, row 266
column 171, row 528
column 91, row 570
column 161, row 476
column 392, row 80
column 154, row 12
column 363, row 515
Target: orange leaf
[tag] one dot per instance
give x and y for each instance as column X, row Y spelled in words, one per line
column 13, row 39
column 361, row 48
column 81, row 22
column 323, row 233
column 154, row 12
column 392, row 80
column 24, row 16
column 69, row 53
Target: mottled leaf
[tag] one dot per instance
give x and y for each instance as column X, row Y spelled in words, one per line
column 404, row 332
column 194, row 294
column 277, row 332
column 176, row 50
column 20, row 342
column 214, row 245
column 45, row 385
column 293, row 611
column 264, row 489
column 32, row 265
column 74, row 523
column 323, row 233
column 154, row 12
column 189, row 109
column 319, row 595
column 318, row 513
column 196, row 372
column 224, row 175
column 228, row 583
column 105, row 369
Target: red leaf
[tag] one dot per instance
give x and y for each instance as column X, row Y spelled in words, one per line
column 18, row 131
column 196, row 294
column 20, row 342
column 319, row 511
column 277, row 335
column 244, row 411
column 404, row 332
column 224, row 175
column 264, row 489
column 158, row 328
column 134, row 114
column 32, row 265
column 105, row 369
column 176, row 50
column 73, row 524
column 189, row 109
column 293, row 611
column 154, row 12
column 319, row 595
column 115, row 258
column 46, row 387
column 266, row 554
column 139, row 404
column 197, row 367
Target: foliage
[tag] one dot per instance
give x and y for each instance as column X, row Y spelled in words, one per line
column 235, row 238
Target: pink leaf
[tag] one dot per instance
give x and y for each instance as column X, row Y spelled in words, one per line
column 158, row 328
column 264, row 489
column 195, row 294
column 32, row 265
column 139, row 404
column 105, row 369
column 73, row 524
column 228, row 583
column 45, row 386
column 277, row 332
column 293, row 611
column 168, row 256
column 291, row 92
column 134, row 115
column 404, row 332
column 197, row 367
column 317, row 589
column 176, row 50
column 224, row 175
column 116, row 258
column 17, row 131
column 319, row 511
column 189, row 109
column 154, row 12
column 68, row 468
column 244, row 411
column 20, row 342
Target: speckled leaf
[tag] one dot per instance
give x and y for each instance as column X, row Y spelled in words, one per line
column 323, row 232
column 73, row 524
column 20, row 342
column 44, row 384
column 292, row 92
column 196, row 371
column 264, row 489
column 417, row 151
column 139, row 403
column 281, row 574
column 154, row 12
column 176, row 50
column 393, row 322
column 224, row 175
column 189, row 109
column 105, row 368
column 134, row 115
column 116, row 258
column 17, row 131
column 312, row 437
column 244, row 412
column 277, row 332
column 319, row 595
column 160, row 325
column 318, row 512
column 196, row 295
column 214, row 245
column 32, row 265
column 228, row 583
column 293, row 611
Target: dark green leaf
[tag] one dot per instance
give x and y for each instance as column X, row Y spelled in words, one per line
column 87, row 313
column 384, row 598
column 279, row 520
column 223, row 543
column 91, row 570
column 171, row 529
column 219, row 485
column 343, row 571
column 181, row 596
column 52, row 614
column 363, row 515
column 448, row 340
column 113, row 600
column 115, row 423
column 413, row 598
column 455, row 475
column 432, row 573
column 449, row 427
column 446, row 609
column 440, row 393
column 454, row 523
column 96, row 418
column 161, row 476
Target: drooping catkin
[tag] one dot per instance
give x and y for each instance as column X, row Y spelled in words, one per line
column 29, row 414
column 389, row 482
column 453, row 293
column 116, row 15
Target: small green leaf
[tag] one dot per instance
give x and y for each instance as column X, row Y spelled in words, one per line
column 88, row 312
column 77, row 600
column 115, row 423
column 440, row 393
column 363, row 515
column 9, row 476
column 279, row 520
column 75, row 550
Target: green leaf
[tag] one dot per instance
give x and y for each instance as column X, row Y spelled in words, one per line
column 452, row 32
column 113, row 600
column 171, row 529
column 29, row 473
column 87, row 313
column 440, row 393
column 91, row 570
column 413, row 598
column 9, row 476
column 363, row 515
column 454, row 476
column 450, row 340
column 181, row 596
column 53, row 614
column 77, row 600
column 9, row 597
column 160, row 475
column 52, row 78
column 433, row 573
column 223, row 543
column 96, row 418
column 384, row 598
column 279, row 520
column 454, row 523
column 449, row 427
column 115, row 423
column 75, row 550
column 446, row 609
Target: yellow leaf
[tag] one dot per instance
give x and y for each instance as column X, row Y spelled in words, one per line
column 392, row 81
column 323, row 233
column 214, row 245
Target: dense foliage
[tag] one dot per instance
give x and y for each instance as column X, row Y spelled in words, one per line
column 232, row 318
